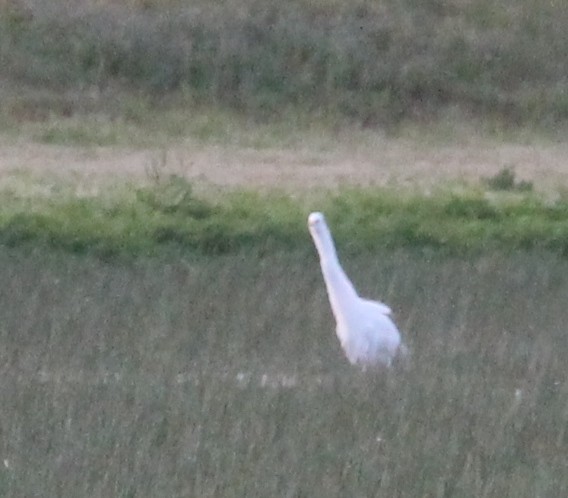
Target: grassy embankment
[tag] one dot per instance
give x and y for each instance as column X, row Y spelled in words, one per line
column 366, row 62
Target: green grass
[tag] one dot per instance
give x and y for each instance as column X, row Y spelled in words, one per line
column 222, row 376
column 375, row 63
column 168, row 216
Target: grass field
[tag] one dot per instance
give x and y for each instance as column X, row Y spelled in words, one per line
column 211, row 368
column 223, row 377
column 164, row 326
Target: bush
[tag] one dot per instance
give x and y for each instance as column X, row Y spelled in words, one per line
column 505, row 180
column 167, row 215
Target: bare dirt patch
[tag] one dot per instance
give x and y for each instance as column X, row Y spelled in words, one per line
column 380, row 161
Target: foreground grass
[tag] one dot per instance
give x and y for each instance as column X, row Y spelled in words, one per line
column 131, row 221
column 222, row 377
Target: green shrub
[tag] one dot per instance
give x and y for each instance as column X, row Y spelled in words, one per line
column 174, row 196
column 168, row 215
column 505, row 179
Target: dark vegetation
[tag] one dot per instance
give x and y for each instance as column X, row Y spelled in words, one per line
column 505, row 180
column 374, row 62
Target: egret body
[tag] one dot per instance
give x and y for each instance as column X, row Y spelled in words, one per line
column 365, row 330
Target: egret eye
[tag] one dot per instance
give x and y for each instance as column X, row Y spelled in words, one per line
column 315, row 219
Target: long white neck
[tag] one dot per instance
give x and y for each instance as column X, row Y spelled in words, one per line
column 339, row 288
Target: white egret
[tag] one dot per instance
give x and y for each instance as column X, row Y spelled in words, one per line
column 367, row 334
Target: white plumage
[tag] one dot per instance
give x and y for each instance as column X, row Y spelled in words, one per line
column 366, row 332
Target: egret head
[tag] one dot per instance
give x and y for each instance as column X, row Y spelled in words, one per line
column 319, row 231
column 315, row 219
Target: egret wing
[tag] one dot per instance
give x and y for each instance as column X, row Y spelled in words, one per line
column 380, row 307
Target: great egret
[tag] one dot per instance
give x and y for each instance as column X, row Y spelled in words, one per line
column 366, row 332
